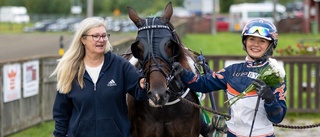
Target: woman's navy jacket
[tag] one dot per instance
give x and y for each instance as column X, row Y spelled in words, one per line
column 99, row 110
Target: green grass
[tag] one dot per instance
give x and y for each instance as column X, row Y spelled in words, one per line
column 41, row 130
column 226, row 43
column 220, row 44
column 12, row 27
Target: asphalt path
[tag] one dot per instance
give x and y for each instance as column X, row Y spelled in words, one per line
column 19, row 46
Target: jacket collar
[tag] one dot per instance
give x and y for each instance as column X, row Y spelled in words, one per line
column 256, row 62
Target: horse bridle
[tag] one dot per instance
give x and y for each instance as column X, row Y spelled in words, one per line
column 174, row 85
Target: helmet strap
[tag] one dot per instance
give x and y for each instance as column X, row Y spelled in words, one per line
column 265, row 55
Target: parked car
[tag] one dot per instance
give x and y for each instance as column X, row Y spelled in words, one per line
column 222, row 23
column 72, row 27
column 39, row 26
column 63, row 24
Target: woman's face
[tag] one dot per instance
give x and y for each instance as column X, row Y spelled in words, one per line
column 256, row 46
column 95, row 40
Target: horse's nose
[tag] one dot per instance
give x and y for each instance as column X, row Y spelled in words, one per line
column 157, row 98
column 149, row 93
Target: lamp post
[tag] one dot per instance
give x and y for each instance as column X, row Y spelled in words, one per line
column 90, row 8
column 274, row 14
column 213, row 20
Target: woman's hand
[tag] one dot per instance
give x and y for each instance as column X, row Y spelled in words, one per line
column 142, row 82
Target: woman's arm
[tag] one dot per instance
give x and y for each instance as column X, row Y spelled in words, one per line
column 62, row 109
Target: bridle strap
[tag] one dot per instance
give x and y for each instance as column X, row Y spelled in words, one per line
column 155, row 65
column 153, row 27
column 150, row 54
column 177, row 100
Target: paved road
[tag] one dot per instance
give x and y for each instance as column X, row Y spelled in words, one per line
column 17, row 46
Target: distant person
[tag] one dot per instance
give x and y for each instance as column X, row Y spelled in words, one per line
column 259, row 39
column 92, row 84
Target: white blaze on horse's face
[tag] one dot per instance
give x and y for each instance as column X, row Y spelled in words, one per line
column 152, row 104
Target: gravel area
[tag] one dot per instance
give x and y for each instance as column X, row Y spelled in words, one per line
column 287, row 132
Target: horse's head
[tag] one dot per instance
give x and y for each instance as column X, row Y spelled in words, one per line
column 156, row 47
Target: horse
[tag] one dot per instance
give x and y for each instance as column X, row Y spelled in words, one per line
column 156, row 48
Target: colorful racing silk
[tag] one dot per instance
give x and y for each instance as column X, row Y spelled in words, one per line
column 234, row 79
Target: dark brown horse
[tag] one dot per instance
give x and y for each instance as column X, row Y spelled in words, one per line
column 156, row 48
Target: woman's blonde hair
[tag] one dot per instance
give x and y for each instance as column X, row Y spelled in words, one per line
column 71, row 64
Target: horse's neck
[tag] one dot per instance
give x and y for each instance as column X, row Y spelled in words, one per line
column 191, row 64
column 133, row 61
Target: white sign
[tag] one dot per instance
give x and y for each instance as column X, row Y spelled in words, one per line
column 30, row 78
column 76, row 9
column 11, row 82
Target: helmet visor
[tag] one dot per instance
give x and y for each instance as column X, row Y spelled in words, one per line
column 263, row 32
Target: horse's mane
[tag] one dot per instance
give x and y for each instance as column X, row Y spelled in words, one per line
column 184, row 53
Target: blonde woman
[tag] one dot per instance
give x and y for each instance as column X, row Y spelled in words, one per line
column 92, row 84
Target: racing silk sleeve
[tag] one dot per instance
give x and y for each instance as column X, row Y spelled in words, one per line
column 277, row 109
column 204, row 83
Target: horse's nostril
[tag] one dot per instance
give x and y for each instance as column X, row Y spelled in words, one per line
column 168, row 94
column 149, row 94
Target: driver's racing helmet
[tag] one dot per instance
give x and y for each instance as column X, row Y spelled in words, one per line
column 264, row 29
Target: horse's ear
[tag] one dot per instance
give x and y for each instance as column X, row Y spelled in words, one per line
column 168, row 11
column 134, row 17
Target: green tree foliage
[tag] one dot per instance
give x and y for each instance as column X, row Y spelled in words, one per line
column 106, row 7
column 41, row 6
column 49, row 7
column 147, row 7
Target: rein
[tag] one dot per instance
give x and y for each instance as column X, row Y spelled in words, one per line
column 228, row 116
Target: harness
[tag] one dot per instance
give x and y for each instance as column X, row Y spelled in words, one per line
column 153, row 36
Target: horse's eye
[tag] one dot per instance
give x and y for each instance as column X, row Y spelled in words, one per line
column 137, row 50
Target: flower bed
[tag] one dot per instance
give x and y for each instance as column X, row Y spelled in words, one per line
column 301, row 49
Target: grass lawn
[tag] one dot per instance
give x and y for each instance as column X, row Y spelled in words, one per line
column 12, row 27
column 220, row 44
column 226, row 43
column 41, row 130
